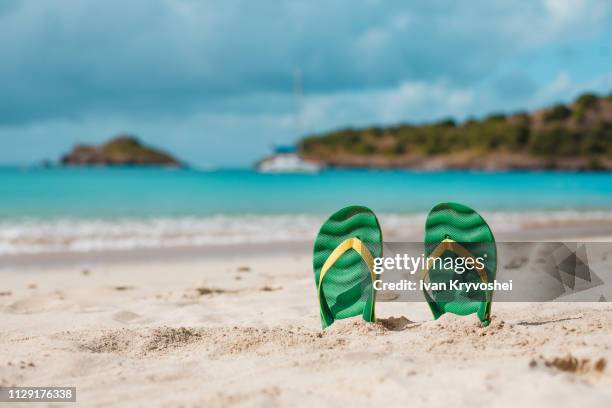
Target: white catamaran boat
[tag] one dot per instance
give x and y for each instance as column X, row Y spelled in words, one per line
column 286, row 160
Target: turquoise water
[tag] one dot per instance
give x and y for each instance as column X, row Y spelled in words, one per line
column 94, row 209
column 130, row 192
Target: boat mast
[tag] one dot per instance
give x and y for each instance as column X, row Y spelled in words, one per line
column 298, row 96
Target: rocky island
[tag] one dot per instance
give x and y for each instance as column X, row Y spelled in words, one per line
column 577, row 136
column 123, row 150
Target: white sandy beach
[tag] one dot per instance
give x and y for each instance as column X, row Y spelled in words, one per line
column 239, row 327
column 170, row 170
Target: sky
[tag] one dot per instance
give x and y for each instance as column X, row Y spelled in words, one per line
column 213, row 81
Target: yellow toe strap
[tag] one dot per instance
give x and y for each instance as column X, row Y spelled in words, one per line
column 363, row 251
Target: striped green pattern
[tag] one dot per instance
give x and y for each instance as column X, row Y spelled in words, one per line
column 461, row 224
column 347, row 286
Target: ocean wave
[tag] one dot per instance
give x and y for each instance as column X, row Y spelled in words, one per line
column 33, row 236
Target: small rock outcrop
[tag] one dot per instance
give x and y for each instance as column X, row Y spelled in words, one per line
column 122, row 150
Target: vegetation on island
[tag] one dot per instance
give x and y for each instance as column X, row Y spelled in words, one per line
column 123, row 150
column 577, row 136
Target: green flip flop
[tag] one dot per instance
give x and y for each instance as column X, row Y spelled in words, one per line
column 455, row 230
column 343, row 260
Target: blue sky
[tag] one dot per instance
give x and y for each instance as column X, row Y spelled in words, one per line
column 212, row 81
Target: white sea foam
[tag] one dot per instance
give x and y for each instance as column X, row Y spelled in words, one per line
column 82, row 235
column 30, row 236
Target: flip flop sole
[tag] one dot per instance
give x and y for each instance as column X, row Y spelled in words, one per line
column 453, row 222
column 345, row 243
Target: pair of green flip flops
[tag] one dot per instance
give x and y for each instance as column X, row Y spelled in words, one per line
column 350, row 240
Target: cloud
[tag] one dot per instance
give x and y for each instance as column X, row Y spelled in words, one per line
column 560, row 85
column 562, row 88
column 225, row 68
column 416, row 99
column 67, row 58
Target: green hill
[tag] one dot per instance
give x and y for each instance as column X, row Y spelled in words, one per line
column 576, row 136
column 122, row 151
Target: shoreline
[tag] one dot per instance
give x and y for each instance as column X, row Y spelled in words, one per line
column 570, row 232
column 466, row 161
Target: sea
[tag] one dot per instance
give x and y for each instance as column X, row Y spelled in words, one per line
column 90, row 209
